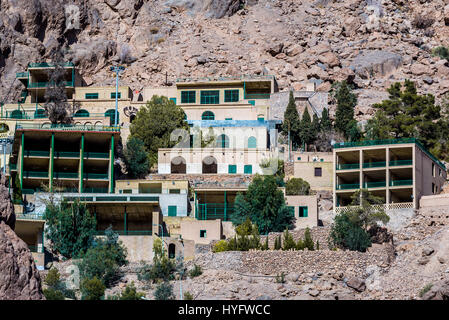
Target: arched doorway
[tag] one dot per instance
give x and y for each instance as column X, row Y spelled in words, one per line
column 171, row 251
column 223, row 141
column 111, row 114
column 178, row 165
column 81, row 113
column 252, row 142
column 209, row 165
column 208, row 115
column 16, row 114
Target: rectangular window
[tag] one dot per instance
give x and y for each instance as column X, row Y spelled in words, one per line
column 252, row 102
column 113, row 95
column 174, row 191
column 128, row 191
column 231, row 95
column 303, row 212
column 248, row 169
column 203, row 233
column 172, row 211
column 91, row 96
column 232, row 168
column 210, row 97
column 188, row 96
column 318, row 172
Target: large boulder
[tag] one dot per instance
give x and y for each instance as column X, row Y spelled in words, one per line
column 376, row 63
column 19, row 277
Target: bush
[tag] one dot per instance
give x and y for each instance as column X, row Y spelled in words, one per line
column 164, row 291
column 308, row 241
column 162, row 268
column 56, row 288
column 280, row 277
column 265, row 246
column 130, row 293
column 220, row 246
column 297, row 186
column 92, row 289
column 422, row 22
column 53, row 294
column 300, row 245
column 317, row 246
column 104, row 259
column 188, row 296
column 347, row 234
column 277, row 243
column 289, row 243
column 196, row 271
column 424, row 290
column 53, row 278
column 441, row 52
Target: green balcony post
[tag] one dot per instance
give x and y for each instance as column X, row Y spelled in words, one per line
column 21, row 160
column 124, row 230
column 81, row 164
column 111, row 176
column 52, row 153
column 225, row 206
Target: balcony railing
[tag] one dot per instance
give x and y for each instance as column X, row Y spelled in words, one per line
column 65, row 175
column 257, row 96
column 348, row 166
column 387, row 206
column 47, row 65
column 348, row 186
column 379, row 164
column 97, row 176
column 35, row 174
column 67, row 154
column 22, row 75
column 95, row 190
column 127, row 232
column 396, row 183
column 66, row 127
column 36, row 153
column 378, row 184
column 98, row 155
column 29, row 216
column 395, row 163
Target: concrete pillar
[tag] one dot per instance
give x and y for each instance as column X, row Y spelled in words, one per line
column 335, row 180
column 157, row 223
column 40, row 241
column 387, row 180
column 361, row 167
column 415, row 196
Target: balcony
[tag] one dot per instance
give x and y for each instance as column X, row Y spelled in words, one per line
column 67, row 154
column 257, row 96
column 379, row 164
column 65, row 175
column 33, row 85
column 29, row 216
column 395, row 163
column 96, row 155
column 348, row 166
column 48, row 65
column 36, row 153
column 348, row 186
column 397, row 183
column 96, row 176
column 378, row 184
column 22, row 75
column 35, row 174
column 65, row 127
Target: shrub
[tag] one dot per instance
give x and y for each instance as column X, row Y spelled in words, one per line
column 162, row 268
column 265, row 246
column 317, row 246
column 56, row 288
column 424, row 290
column 297, row 186
column 347, row 234
column 289, row 243
column 277, row 243
column 196, row 271
column 220, row 246
column 164, row 291
column 53, row 294
column 53, row 278
column 130, row 293
column 422, row 22
column 441, row 52
column 300, row 245
column 280, row 277
column 92, row 289
column 188, row 296
column 308, row 241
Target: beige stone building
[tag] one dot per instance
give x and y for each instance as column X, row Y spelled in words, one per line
column 305, row 209
column 314, row 167
column 400, row 171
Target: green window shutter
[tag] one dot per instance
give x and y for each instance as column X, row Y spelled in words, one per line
column 252, row 142
column 252, row 102
column 91, row 96
column 248, row 169
column 210, row 97
column 175, row 191
column 260, row 119
column 113, row 95
column 188, row 96
column 173, row 99
column 231, row 96
column 232, row 168
column 172, row 211
column 299, row 158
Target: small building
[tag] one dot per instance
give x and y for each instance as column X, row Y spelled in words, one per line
column 305, row 209
column 400, row 171
column 314, row 167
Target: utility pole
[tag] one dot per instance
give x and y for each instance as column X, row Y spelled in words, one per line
column 117, row 70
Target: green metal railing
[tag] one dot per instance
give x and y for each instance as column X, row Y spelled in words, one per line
column 28, row 191
column 35, row 174
column 379, row 184
column 348, row 166
column 36, row 153
column 212, row 211
column 100, row 176
column 47, row 65
column 127, row 232
column 95, row 190
column 134, row 199
column 242, row 77
column 13, row 166
column 113, row 198
column 68, row 175
column 46, row 84
column 29, row 216
column 99, row 155
column 65, row 127
column 22, row 75
column 394, row 163
column 67, row 154
column 395, row 183
column 348, row 186
column 379, row 164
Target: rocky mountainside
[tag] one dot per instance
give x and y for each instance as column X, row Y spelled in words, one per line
column 19, row 277
column 371, row 43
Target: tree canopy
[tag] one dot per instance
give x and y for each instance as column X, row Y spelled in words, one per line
column 292, row 122
column 297, row 186
column 136, row 158
column 154, row 124
column 346, row 102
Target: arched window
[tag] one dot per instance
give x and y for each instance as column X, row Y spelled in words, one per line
column 17, row 114
column 210, row 165
column 81, row 113
column 111, row 114
column 208, row 115
column 178, row 165
column 223, row 141
column 39, row 114
column 252, row 142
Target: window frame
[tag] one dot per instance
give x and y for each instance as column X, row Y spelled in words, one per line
column 245, row 167
column 91, row 96
column 320, row 169
column 210, row 97
column 188, row 98
column 232, row 95
column 113, row 95
column 203, row 233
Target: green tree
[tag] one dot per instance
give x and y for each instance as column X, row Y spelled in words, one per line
column 264, row 205
column 162, row 269
column 325, row 123
column 17, row 191
column 70, row 227
column 316, row 126
column 289, row 243
column 130, row 293
column 308, row 241
column 154, row 124
column 306, row 129
column 346, row 102
column 297, row 186
column 136, row 158
column 164, row 291
column 56, row 289
column 92, row 289
column 292, row 122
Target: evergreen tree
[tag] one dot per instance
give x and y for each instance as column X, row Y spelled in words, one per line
column 297, row 186
column 306, row 132
column 136, row 158
column 325, row 123
column 308, row 241
column 292, row 122
column 316, row 126
column 346, row 102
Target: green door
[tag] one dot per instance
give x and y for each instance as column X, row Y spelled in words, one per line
column 303, row 212
column 172, row 211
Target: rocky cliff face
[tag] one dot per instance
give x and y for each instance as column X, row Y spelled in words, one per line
column 19, row 277
column 369, row 42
